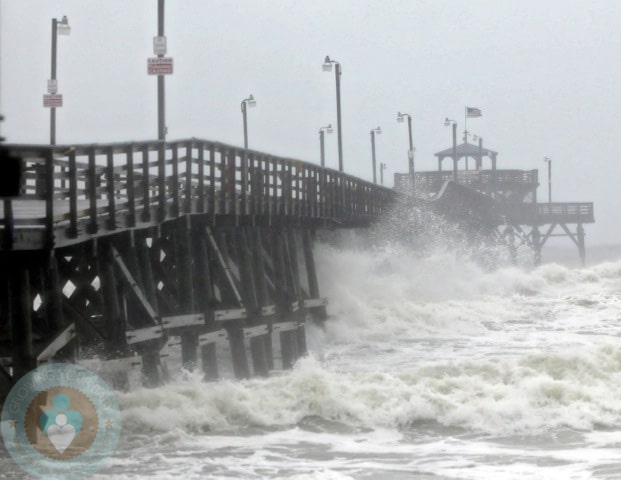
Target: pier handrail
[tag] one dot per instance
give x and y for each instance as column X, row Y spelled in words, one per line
column 102, row 187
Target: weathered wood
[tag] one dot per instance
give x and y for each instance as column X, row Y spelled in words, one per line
column 318, row 312
column 116, row 324
column 73, row 196
column 131, row 188
column 260, row 282
column 92, row 193
column 110, row 191
column 206, row 301
column 126, row 277
column 257, row 345
column 146, row 192
column 183, row 261
column 21, row 322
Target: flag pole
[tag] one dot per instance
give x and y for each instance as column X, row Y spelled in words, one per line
column 465, row 124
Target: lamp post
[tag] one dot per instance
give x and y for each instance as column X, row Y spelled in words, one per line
column 479, row 159
column 247, row 102
column 400, row 117
column 548, row 160
column 375, row 131
column 383, row 167
column 58, row 28
column 327, row 67
column 161, row 82
column 322, row 148
column 448, row 122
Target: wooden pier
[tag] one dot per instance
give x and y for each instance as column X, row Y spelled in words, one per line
column 119, row 251
column 115, row 253
column 503, row 199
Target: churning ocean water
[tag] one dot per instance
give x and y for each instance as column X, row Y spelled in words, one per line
column 430, row 367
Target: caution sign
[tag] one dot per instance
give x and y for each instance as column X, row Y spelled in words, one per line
column 160, row 66
column 52, row 100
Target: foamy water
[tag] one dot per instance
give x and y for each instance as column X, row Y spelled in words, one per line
column 429, row 367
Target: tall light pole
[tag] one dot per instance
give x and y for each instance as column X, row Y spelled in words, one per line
column 161, row 91
column 548, row 160
column 322, row 147
column 247, row 102
column 58, row 28
column 327, row 67
column 400, row 117
column 448, row 122
column 375, row 131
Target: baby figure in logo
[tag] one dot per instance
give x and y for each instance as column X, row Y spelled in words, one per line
column 60, row 424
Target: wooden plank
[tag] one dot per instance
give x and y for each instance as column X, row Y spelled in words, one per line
column 127, row 278
column 143, row 334
column 255, row 331
column 182, row 321
column 59, row 342
column 212, row 337
column 230, row 314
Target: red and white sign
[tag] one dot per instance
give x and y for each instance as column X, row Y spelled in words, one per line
column 52, row 100
column 160, row 66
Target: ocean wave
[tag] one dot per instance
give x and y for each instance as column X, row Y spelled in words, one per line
column 578, row 389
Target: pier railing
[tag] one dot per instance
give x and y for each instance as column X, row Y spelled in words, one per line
column 477, row 179
column 98, row 188
column 549, row 213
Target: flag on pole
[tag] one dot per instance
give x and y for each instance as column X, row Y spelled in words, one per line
column 472, row 112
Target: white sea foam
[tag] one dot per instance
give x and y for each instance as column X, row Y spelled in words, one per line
column 414, row 344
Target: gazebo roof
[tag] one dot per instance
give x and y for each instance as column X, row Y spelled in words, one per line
column 466, row 150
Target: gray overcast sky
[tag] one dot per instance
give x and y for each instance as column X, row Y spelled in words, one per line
column 546, row 74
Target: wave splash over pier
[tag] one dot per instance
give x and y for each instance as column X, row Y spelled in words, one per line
column 431, row 366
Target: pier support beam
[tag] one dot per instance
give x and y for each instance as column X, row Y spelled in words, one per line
column 581, row 247
column 260, row 280
column 231, row 296
column 185, row 288
column 21, row 322
column 319, row 313
column 114, row 320
column 247, row 276
column 536, row 236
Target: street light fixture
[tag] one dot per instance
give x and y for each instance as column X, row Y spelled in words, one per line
column 548, row 160
column 327, row 67
column 400, row 119
column 375, row 131
column 58, row 28
column 328, row 130
column 247, row 102
column 448, row 122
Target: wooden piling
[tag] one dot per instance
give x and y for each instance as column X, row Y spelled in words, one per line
column 206, row 300
column 581, row 247
column 261, row 288
column 246, row 274
column 115, row 324
column 21, row 322
column 231, row 297
column 288, row 342
column 318, row 313
column 185, row 289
